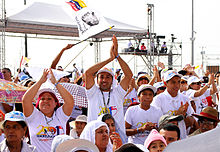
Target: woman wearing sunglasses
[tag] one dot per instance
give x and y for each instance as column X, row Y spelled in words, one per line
column 198, row 94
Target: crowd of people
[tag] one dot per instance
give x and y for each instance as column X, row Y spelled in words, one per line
column 124, row 113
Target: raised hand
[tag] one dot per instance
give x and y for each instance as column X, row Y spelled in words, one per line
column 182, row 109
column 52, row 78
column 116, row 140
column 44, row 76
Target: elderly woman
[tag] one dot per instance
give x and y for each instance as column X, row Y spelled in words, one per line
column 14, row 127
column 98, row 133
column 47, row 119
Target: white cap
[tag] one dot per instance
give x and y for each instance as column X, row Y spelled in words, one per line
column 42, row 89
column 185, row 78
column 193, row 79
column 106, row 70
column 144, row 87
column 170, row 74
column 144, row 75
column 159, row 84
column 14, row 116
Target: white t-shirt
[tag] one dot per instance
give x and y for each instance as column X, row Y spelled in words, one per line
column 137, row 118
column 43, row 129
column 96, row 105
column 170, row 105
column 130, row 98
column 201, row 101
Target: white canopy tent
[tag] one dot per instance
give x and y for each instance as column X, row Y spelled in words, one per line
column 50, row 19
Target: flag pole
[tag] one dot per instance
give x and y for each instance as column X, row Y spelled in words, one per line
column 86, row 45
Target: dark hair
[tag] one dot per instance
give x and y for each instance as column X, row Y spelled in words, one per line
column 106, row 117
column 171, row 127
column 218, row 72
column 129, row 147
column 7, row 69
column 22, row 123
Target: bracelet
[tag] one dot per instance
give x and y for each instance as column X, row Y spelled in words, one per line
column 116, row 56
column 137, row 130
column 207, row 85
column 56, row 84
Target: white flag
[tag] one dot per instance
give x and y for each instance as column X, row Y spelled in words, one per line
column 89, row 22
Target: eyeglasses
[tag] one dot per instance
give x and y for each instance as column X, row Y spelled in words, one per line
column 183, row 82
column 198, row 83
column 206, row 122
column 161, row 88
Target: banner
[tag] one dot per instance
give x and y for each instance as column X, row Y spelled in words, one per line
column 89, row 22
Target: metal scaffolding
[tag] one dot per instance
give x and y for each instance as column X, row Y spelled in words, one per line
column 2, row 41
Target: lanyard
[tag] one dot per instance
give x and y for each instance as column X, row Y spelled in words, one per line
column 106, row 106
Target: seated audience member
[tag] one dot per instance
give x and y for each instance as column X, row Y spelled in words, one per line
column 160, row 87
column 7, row 74
column 77, row 145
column 207, row 119
column 77, row 126
column 47, row 119
column 129, row 147
column 155, row 142
column 15, row 127
column 114, row 130
column 137, row 126
column 170, row 132
column 169, row 119
column 97, row 132
column 198, row 93
column 143, row 47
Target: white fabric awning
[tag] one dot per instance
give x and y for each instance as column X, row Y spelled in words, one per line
column 50, row 19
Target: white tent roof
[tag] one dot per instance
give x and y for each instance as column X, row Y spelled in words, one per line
column 50, row 19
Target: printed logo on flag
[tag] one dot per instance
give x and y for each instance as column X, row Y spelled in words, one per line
column 76, row 4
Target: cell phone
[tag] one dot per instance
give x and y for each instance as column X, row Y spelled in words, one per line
column 205, row 79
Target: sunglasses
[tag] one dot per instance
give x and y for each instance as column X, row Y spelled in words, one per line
column 198, row 83
column 183, row 82
column 161, row 88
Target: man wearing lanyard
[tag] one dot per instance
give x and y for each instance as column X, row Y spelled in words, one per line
column 106, row 96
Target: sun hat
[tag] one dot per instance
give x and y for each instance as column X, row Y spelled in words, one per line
column 208, row 113
column 144, row 87
column 167, row 118
column 74, row 145
column 105, row 69
column 170, row 74
column 80, row 118
column 143, row 75
column 193, row 79
column 153, row 136
column 13, row 116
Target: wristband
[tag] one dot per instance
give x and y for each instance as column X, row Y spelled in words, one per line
column 116, row 56
column 207, row 85
column 56, row 84
column 137, row 130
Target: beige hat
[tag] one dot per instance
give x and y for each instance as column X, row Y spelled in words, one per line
column 80, row 118
column 74, row 145
column 144, row 87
